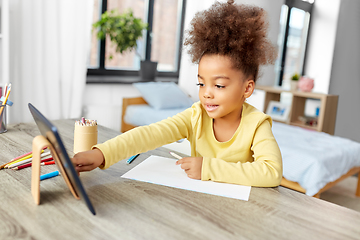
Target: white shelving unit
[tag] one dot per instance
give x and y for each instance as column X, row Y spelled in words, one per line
column 4, row 42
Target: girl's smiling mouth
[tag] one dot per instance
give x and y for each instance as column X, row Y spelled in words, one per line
column 210, row 108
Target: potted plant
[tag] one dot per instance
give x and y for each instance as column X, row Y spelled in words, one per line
column 294, row 81
column 124, row 30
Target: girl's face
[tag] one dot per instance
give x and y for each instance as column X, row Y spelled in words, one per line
column 222, row 88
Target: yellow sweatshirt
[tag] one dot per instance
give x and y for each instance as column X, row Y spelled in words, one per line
column 251, row 157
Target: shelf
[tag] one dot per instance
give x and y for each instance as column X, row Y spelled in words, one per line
column 280, row 90
column 328, row 108
column 300, row 124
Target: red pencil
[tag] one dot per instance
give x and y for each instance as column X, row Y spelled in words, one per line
column 47, row 159
column 22, row 166
column 48, row 163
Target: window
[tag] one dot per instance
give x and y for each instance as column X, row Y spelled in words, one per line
column 161, row 43
column 292, row 39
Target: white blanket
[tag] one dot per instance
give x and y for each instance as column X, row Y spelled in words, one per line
column 312, row 158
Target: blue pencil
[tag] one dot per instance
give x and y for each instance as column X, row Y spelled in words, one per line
column 132, row 158
column 49, row 175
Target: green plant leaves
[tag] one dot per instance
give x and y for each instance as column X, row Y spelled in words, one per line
column 295, row 77
column 123, row 29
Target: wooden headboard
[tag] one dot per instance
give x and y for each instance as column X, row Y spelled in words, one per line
column 126, row 102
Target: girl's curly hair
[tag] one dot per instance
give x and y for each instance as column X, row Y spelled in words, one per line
column 236, row 31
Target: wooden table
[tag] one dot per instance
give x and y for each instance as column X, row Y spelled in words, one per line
column 128, row 209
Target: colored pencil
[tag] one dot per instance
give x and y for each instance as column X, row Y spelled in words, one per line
column 47, row 159
column 5, row 89
column 48, row 163
column 6, row 98
column 43, row 162
column 19, row 160
column 11, row 165
column 15, row 159
column 24, row 155
column 30, row 164
column 132, row 158
column 22, row 166
column 24, row 161
column 49, row 175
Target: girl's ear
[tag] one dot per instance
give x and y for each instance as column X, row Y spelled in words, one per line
column 250, row 86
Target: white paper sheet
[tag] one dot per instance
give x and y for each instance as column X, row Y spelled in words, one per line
column 163, row 171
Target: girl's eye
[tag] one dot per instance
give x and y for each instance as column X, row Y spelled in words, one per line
column 219, row 86
column 200, row 84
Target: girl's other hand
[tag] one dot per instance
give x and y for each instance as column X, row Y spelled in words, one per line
column 89, row 160
column 192, row 166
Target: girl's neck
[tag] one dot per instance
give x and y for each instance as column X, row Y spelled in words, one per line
column 225, row 128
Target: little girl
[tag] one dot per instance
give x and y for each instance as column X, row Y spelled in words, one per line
column 231, row 141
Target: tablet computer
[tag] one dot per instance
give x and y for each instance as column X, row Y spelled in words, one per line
column 50, row 132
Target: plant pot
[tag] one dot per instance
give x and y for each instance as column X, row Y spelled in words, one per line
column 306, row 84
column 294, row 85
column 148, row 70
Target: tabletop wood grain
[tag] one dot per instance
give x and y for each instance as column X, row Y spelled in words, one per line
column 129, row 209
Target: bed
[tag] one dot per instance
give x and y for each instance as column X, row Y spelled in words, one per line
column 312, row 161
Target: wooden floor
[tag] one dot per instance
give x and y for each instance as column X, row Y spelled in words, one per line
column 343, row 194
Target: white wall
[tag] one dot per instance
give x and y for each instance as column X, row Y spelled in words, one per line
column 103, row 102
column 345, row 75
column 322, row 43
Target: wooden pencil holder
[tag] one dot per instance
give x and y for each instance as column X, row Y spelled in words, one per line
column 39, row 143
column 85, row 137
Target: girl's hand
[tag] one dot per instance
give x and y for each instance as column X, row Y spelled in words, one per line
column 89, row 160
column 192, row 166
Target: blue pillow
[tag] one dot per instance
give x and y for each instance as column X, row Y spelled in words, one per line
column 163, row 95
